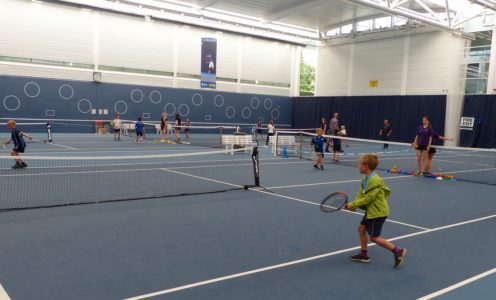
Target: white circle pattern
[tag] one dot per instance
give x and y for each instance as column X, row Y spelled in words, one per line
column 10, row 107
column 183, row 110
column 65, row 97
column 36, row 86
column 230, row 112
column 82, row 101
column 120, row 111
column 219, row 101
column 197, row 99
column 139, row 98
column 155, row 100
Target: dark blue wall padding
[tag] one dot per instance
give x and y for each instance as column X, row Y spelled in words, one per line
column 483, row 109
column 364, row 115
column 26, row 97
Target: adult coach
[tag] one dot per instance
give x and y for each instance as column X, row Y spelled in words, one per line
column 422, row 144
column 333, row 125
column 385, row 132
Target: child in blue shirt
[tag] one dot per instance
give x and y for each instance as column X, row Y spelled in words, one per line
column 138, row 127
column 17, row 136
column 318, row 149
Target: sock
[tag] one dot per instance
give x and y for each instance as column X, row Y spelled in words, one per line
column 396, row 250
column 363, row 253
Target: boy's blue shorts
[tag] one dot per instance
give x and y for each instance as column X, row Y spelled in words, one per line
column 373, row 226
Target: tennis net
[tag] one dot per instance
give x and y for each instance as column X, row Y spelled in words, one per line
column 467, row 164
column 202, row 136
column 50, row 181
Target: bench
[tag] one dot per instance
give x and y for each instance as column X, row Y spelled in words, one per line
column 287, row 141
column 244, row 141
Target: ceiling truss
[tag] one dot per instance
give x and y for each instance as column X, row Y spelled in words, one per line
column 428, row 13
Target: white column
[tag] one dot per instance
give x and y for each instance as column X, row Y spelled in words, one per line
column 175, row 55
column 404, row 69
column 240, row 63
column 456, row 91
column 351, row 64
column 96, row 39
column 295, row 71
column 491, row 85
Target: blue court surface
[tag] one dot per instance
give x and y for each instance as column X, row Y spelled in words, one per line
column 245, row 244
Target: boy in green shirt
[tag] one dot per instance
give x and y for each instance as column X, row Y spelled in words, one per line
column 372, row 197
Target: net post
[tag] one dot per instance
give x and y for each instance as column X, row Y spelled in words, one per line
column 220, row 137
column 301, row 145
column 49, row 132
column 256, row 168
column 276, row 142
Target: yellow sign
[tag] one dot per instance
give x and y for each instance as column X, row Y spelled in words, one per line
column 374, row 83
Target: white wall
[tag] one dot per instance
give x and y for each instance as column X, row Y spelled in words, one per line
column 422, row 64
column 412, row 65
column 54, row 32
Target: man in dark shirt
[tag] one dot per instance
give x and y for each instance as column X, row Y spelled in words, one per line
column 17, row 136
column 385, row 132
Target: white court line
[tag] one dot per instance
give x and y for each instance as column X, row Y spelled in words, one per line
column 63, row 146
column 3, row 294
column 290, row 198
column 332, row 182
column 203, row 178
column 294, row 262
column 345, row 211
column 458, row 285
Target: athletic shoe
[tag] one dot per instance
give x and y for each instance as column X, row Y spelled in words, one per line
column 322, row 168
column 419, row 174
column 399, row 258
column 23, row 165
column 316, row 167
column 17, row 166
column 360, row 258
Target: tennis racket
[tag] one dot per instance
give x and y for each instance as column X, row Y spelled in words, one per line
column 334, row 202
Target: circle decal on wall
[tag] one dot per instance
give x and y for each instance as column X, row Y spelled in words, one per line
column 66, row 92
column 183, row 110
column 255, row 103
column 155, row 97
column 32, row 89
column 219, row 101
column 137, row 95
column 230, row 112
column 197, row 99
column 120, row 107
column 84, row 106
column 274, row 114
column 14, row 104
column 268, row 103
column 246, row 113
column 170, row 109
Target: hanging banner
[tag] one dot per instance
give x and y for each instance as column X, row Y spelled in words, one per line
column 209, row 63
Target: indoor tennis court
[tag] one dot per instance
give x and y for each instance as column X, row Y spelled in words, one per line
column 226, row 149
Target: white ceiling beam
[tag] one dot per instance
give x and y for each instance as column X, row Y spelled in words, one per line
column 294, row 9
column 202, row 4
column 412, row 15
column 342, row 23
column 427, row 8
column 485, row 3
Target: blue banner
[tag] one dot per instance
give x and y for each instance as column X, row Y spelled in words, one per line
column 209, row 63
